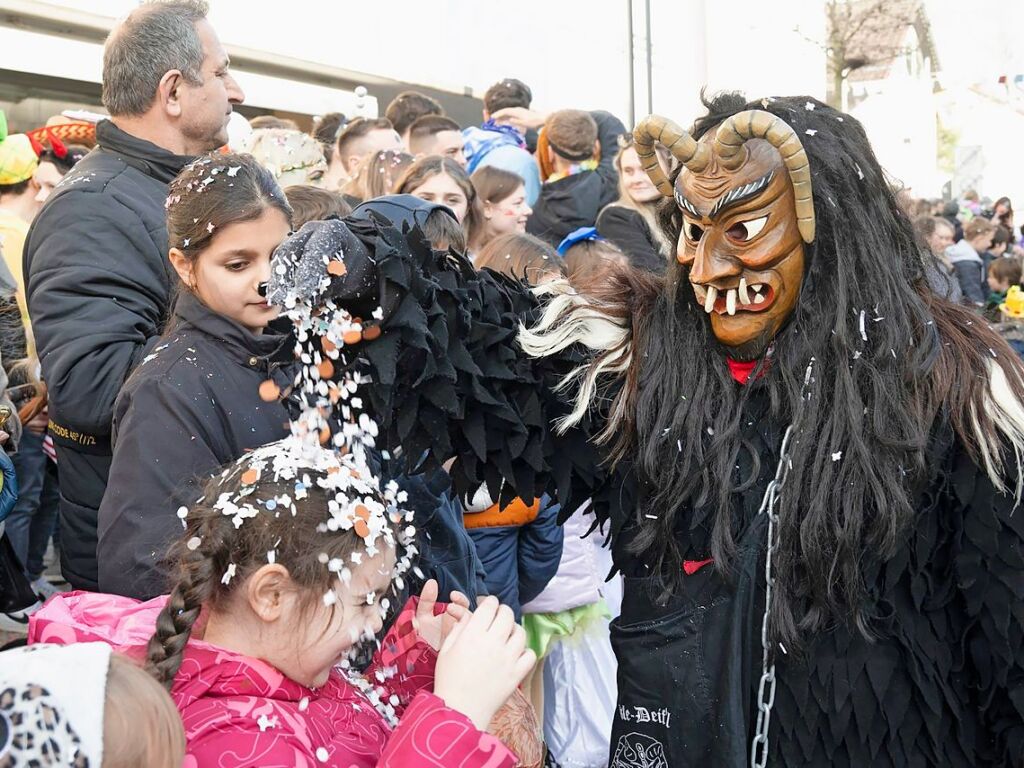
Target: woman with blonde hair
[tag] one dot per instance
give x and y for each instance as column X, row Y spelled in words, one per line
column 631, row 221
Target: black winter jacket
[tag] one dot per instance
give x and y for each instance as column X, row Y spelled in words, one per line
column 98, row 286
column 192, row 406
column 626, row 229
column 567, row 204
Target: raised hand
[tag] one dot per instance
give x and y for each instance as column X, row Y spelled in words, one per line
column 434, row 629
column 482, row 661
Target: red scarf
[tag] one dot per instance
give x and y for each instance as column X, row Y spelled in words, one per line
column 741, row 371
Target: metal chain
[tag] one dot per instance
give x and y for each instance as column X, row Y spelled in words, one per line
column 766, row 689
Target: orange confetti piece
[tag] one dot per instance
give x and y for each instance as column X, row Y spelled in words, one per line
column 269, row 391
column 327, row 345
column 371, row 333
column 325, row 435
column 337, row 268
column 361, row 528
column 326, row 369
column 362, row 512
column 352, row 337
column 250, row 476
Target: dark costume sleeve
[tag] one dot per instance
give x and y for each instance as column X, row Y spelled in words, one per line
column 450, row 379
column 990, row 575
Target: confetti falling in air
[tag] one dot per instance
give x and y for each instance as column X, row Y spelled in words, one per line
column 810, row 132
column 837, row 456
column 328, row 449
column 809, row 106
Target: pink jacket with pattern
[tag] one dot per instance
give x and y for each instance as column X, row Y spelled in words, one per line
column 240, row 711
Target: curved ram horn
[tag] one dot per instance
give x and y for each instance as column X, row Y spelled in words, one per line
column 759, row 124
column 654, row 129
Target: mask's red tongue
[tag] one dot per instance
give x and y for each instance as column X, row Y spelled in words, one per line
column 741, row 371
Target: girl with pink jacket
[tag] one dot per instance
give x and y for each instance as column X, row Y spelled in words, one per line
column 281, row 570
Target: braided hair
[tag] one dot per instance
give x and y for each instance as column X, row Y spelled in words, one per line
column 239, row 525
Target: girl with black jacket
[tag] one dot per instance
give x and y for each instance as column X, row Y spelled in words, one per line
column 212, row 389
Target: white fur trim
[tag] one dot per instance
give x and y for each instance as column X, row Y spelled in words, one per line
column 571, row 318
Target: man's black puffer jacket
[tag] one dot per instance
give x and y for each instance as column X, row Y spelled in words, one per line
column 98, row 287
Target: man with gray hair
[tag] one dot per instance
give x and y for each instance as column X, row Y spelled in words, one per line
column 98, row 279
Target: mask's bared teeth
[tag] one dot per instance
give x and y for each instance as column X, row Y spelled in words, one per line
column 710, row 299
column 744, row 295
column 730, row 301
column 757, row 287
column 759, row 299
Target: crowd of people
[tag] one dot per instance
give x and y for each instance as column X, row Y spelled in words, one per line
column 156, row 411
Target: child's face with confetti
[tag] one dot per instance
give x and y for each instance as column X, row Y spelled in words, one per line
column 319, row 639
column 228, row 273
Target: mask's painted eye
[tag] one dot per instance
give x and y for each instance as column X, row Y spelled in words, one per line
column 693, row 232
column 746, row 230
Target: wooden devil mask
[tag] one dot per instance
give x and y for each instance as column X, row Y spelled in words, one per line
column 745, row 198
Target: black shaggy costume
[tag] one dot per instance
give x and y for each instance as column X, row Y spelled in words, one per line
column 897, row 625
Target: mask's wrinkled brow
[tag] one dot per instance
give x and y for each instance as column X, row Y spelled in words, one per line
column 734, row 196
column 739, row 194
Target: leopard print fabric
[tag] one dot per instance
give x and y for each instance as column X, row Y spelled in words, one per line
column 34, row 734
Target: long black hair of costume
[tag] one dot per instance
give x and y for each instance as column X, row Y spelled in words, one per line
column 862, row 418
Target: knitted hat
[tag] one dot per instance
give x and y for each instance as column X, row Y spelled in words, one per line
column 18, row 156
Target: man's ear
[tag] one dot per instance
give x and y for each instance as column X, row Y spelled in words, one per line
column 268, row 590
column 352, row 163
column 167, row 92
column 183, row 266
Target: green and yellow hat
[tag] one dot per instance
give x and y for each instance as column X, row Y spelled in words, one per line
column 18, row 157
